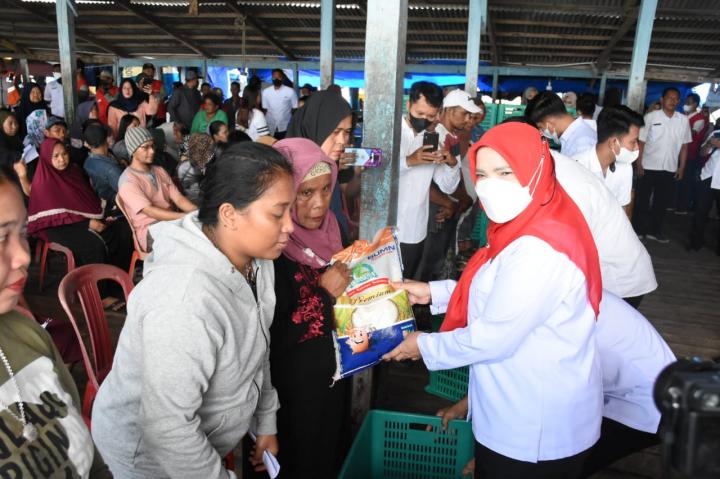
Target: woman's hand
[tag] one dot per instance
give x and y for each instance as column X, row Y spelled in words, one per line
column 263, row 443
column 346, row 161
column 153, row 104
column 97, row 226
column 408, row 349
column 335, row 279
column 419, row 293
column 20, row 168
column 459, row 410
column 469, row 469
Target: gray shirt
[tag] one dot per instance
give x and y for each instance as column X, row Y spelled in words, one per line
column 183, row 105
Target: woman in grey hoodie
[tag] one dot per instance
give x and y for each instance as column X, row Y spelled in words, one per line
column 191, row 374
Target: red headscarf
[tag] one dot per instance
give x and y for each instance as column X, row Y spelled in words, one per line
column 325, row 241
column 551, row 216
column 59, row 197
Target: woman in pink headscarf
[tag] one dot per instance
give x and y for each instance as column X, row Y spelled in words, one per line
column 302, row 357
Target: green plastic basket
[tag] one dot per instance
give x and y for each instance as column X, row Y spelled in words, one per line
column 490, row 119
column 451, row 384
column 399, row 446
column 437, row 321
column 506, row 111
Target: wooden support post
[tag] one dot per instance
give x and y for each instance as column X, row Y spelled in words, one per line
column 386, row 35
column 603, row 86
column 25, row 70
column 65, row 13
column 641, row 47
column 327, row 43
column 495, row 86
column 477, row 15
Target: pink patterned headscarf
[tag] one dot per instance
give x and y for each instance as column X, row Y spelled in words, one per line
column 315, row 247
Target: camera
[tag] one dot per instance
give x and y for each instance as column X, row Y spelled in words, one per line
column 687, row 393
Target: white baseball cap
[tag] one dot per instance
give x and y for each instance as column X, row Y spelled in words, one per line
column 460, row 98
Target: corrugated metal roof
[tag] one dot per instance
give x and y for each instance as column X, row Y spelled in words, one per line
column 540, row 32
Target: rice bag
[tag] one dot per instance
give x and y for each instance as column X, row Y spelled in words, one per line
column 371, row 317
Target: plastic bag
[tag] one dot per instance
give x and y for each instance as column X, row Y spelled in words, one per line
column 371, row 317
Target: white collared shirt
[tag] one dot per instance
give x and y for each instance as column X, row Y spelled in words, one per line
column 619, row 182
column 632, row 354
column 711, row 169
column 664, row 137
column 578, row 138
column 535, row 389
column 414, row 187
column 279, row 104
column 54, row 96
column 626, row 266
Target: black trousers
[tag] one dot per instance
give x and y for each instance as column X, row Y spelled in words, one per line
column 280, row 135
column 634, row 301
column 616, row 441
column 491, row 465
column 706, row 198
column 648, row 217
column 411, row 257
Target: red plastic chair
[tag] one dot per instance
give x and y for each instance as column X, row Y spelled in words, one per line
column 138, row 253
column 82, row 283
column 46, row 247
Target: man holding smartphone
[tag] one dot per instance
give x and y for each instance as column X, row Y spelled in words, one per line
column 420, row 165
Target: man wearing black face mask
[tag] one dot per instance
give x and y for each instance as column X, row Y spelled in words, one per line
column 280, row 102
column 419, row 166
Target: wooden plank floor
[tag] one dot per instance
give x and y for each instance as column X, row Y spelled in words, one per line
column 685, row 309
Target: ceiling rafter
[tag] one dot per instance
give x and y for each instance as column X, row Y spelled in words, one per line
column 148, row 18
column 261, row 28
column 631, row 13
column 79, row 32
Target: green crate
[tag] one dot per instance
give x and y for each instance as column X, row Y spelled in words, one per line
column 490, row 119
column 398, row 445
column 451, row 384
column 506, row 111
column 437, row 321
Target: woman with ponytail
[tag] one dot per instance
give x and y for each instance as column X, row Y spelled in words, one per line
column 522, row 316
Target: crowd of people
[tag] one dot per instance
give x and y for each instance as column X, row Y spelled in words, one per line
column 523, row 235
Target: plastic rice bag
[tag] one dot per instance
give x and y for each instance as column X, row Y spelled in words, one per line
column 371, row 317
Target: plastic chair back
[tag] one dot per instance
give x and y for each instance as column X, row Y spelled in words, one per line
column 82, row 283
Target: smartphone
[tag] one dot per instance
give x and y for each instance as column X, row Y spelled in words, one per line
column 431, row 138
column 366, row 157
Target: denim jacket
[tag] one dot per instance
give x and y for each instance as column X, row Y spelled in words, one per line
column 104, row 174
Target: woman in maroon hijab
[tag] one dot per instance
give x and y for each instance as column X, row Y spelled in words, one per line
column 64, row 209
column 302, row 358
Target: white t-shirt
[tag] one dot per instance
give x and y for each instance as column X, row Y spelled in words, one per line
column 711, row 169
column 257, row 125
column 535, row 390
column 625, row 264
column 632, row 354
column 664, row 137
column 54, row 96
column 414, row 187
column 279, row 104
column 578, row 138
column 619, row 182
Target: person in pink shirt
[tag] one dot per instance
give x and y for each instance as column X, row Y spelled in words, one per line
column 147, row 192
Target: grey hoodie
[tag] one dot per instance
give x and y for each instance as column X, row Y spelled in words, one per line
column 191, row 370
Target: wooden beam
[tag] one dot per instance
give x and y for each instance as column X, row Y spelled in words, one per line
column 79, row 33
column 494, row 47
column 262, row 28
column 147, row 18
column 193, row 8
column 631, row 12
column 14, row 47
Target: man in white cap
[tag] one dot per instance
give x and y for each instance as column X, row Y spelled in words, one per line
column 185, row 101
column 457, row 108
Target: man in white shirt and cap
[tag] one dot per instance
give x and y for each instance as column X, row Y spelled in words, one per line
column 618, row 129
column 548, row 113
column 664, row 144
column 419, row 167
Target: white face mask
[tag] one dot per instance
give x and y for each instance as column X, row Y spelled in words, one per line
column 688, row 108
column 625, row 155
column 551, row 136
column 504, row 200
column 57, row 75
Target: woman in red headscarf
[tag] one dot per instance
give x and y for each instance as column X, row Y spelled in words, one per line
column 522, row 316
column 313, row 411
column 64, row 208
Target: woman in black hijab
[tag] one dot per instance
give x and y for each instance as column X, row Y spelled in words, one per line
column 326, row 119
column 131, row 100
column 32, row 99
column 11, row 145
